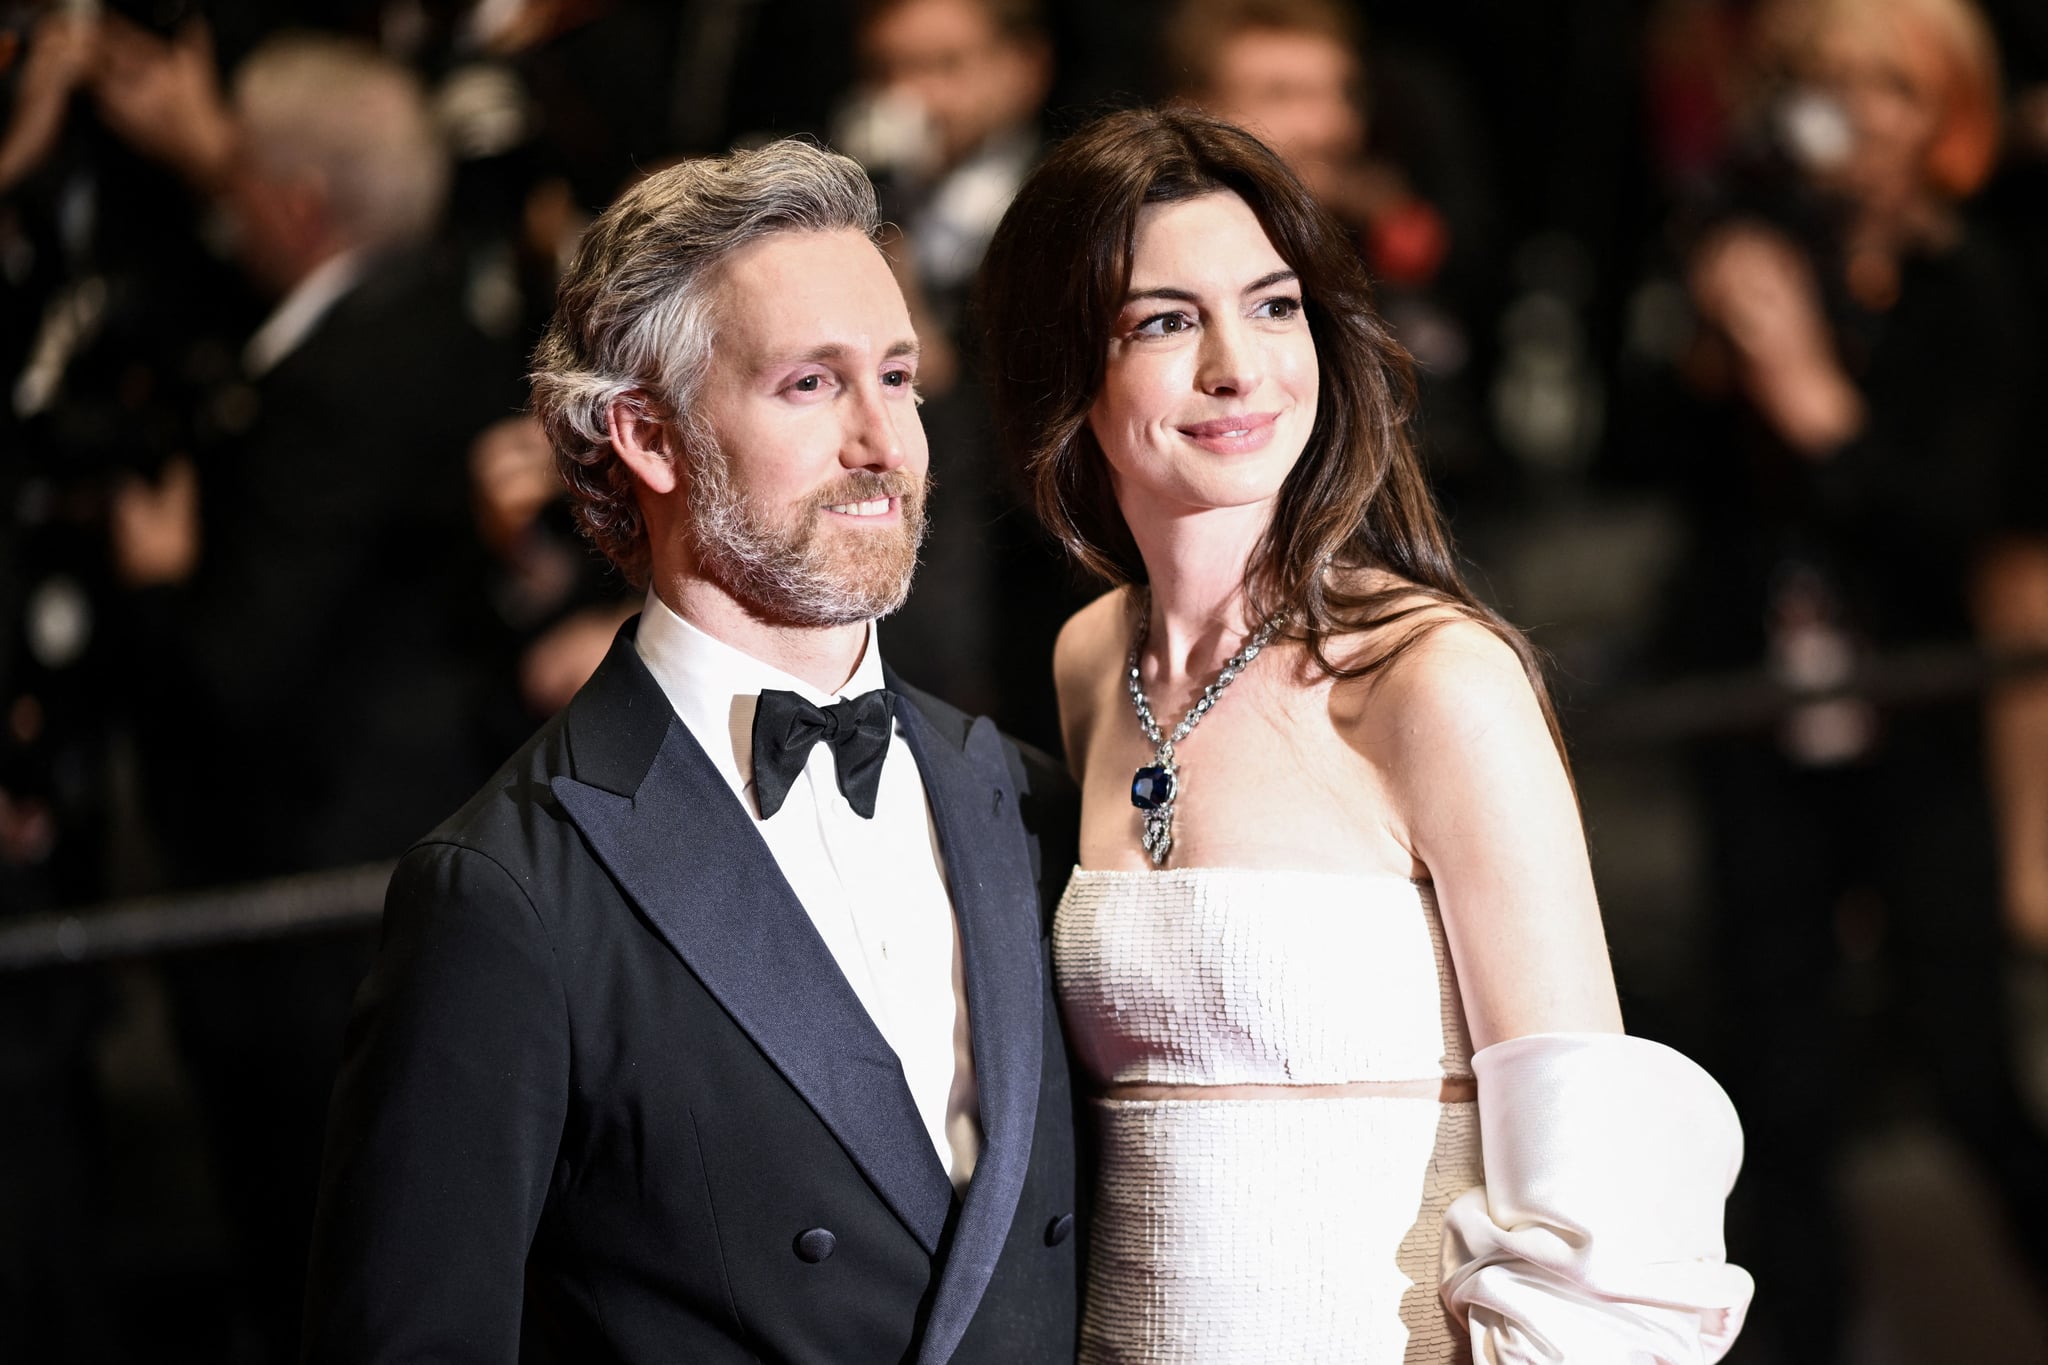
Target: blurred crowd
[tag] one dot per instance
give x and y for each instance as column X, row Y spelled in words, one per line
column 1728, row 320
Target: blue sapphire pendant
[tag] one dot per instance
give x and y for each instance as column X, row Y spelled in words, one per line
column 1153, row 787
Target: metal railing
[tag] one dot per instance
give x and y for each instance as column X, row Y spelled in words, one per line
column 1697, row 708
column 150, row 925
column 1751, row 701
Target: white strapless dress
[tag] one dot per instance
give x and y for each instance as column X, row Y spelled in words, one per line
column 1271, row 1229
column 1572, row 1214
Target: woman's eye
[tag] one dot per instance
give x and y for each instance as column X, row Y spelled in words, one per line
column 1280, row 310
column 1165, row 324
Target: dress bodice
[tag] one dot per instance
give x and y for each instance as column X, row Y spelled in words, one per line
column 1379, row 1227
column 1238, row 976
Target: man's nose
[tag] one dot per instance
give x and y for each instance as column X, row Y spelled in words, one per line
column 874, row 437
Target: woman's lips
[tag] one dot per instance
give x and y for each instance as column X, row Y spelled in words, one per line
column 1234, row 435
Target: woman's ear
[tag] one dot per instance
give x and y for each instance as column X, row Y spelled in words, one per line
column 643, row 442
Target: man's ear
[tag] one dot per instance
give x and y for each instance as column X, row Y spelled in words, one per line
column 644, row 443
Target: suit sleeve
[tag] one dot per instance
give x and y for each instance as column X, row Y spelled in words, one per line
column 1050, row 806
column 444, row 1126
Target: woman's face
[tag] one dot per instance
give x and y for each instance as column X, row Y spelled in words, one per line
column 1888, row 87
column 1209, row 392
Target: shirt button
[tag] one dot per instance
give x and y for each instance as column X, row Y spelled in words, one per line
column 815, row 1245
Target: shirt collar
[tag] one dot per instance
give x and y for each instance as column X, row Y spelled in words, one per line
column 715, row 687
column 300, row 311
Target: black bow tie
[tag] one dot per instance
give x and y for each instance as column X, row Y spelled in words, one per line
column 858, row 729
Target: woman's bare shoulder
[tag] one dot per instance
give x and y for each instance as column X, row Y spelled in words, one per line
column 1086, row 657
column 1418, row 628
column 1094, row 639
column 1444, row 678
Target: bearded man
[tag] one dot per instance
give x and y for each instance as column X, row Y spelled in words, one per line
column 717, row 1026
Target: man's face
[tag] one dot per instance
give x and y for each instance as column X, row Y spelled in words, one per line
column 810, row 510
column 1296, row 91
column 280, row 220
column 949, row 56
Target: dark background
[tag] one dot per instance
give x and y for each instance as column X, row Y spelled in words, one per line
column 1824, row 934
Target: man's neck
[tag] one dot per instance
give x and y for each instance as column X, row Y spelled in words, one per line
column 823, row 656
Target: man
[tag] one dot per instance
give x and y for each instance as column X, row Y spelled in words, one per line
column 946, row 120
column 691, row 1038
column 1288, row 70
column 1291, row 71
column 307, row 586
column 952, row 91
column 301, row 586
column 1407, row 177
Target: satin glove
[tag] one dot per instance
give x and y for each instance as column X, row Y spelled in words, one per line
column 1597, row 1235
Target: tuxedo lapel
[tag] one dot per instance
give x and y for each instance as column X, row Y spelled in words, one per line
column 665, row 825
column 988, row 870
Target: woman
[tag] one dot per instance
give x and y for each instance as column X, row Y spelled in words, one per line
column 1348, row 783
column 1839, row 432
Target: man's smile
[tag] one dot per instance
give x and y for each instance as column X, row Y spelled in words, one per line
column 874, row 507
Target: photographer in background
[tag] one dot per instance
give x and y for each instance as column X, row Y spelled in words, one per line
column 112, row 316
column 1388, row 142
column 304, row 588
column 946, row 122
column 1844, row 417
column 307, row 578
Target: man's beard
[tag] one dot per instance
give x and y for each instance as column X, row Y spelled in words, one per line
column 800, row 570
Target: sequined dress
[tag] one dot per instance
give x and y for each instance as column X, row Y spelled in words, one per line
column 1305, row 1229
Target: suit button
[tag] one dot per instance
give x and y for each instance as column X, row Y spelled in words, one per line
column 815, row 1245
column 1059, row 1229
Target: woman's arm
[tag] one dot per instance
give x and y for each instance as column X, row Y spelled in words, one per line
column 1481, row 798
column 1597, row 1235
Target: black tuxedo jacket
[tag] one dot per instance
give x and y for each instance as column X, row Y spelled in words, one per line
column 608, row 1097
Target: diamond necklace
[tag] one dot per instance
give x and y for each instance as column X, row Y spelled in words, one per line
column 1155, row 786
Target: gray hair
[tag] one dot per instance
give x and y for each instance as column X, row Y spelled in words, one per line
column 357, row 119
column 633, row 315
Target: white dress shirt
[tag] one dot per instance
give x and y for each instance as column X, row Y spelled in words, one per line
column 875, row 889
column 300, row 311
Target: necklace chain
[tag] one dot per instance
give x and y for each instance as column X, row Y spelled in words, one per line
column 1154, row 788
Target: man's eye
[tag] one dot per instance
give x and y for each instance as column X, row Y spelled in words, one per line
column 810, row 383
column 897, row 379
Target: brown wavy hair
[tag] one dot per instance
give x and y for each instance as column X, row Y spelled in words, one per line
column 1054, row 278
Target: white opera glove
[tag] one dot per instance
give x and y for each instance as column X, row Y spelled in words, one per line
column 1596, row 1238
